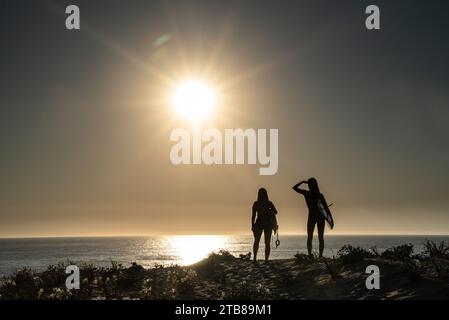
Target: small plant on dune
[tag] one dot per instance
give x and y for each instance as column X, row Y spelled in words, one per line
column 109, row 278
column 186, row 282
column 434, row 250
column 412, row 270
column 331, row 269
column 158, row 266
column 350, row 254
column 212, row 266
column 441, row 269
column 169, row 283
column 220, row 256
column 303, row 258
column 402, row 252
column 374, row 252
column 155, row 292
column 115, row 266
column 245, row 257
column 59, row 294
column 247, row 291
column 225, row 253
column 90, row 282
column 130, row 279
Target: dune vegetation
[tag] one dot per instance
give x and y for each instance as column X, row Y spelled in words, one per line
column 404, row 274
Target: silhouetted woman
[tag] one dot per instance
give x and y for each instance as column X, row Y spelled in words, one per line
column 263, row 220
column 315, row 217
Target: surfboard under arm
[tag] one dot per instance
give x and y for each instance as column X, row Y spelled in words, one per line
column 325, row 212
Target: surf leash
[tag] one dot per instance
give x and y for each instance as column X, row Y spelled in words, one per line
column 277, row 242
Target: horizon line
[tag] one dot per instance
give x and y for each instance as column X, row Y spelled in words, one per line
column 218, row 234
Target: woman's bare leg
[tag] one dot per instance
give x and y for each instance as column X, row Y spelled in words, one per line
column 257, row 235
column 320, row 227
column 267, row 236
column 310, row 228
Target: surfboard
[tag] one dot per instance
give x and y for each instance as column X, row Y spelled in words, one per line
column 325, row 212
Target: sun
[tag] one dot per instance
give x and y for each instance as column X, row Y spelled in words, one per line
column 192, row 248
column 194, row 99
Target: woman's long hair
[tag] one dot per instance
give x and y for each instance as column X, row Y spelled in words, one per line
column 262, row 195
column 313, row 185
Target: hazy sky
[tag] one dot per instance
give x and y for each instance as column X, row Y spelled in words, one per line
column 85, row 124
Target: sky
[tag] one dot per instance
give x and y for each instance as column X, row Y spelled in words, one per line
column 85, row 119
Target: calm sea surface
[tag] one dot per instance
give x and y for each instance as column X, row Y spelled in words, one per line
column 38, row 253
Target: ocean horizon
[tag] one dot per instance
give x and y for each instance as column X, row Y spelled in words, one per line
column 148, row 251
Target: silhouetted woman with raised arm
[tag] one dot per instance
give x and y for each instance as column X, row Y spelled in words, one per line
column 312, row 196
column 263, row 220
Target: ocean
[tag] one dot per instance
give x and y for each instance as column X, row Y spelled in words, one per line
column 38, row 253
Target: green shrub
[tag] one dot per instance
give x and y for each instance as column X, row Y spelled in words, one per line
column 23, row 284
column 350, row 254
column 402, row 252
column 54, row 276
column 434, row 250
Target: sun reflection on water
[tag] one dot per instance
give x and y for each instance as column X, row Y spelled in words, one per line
column 193, row 248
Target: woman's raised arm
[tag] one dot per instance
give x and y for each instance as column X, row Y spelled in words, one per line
column 298, row 189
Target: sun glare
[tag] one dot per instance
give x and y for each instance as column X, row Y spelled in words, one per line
column 191, row 249
column 194, row 100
